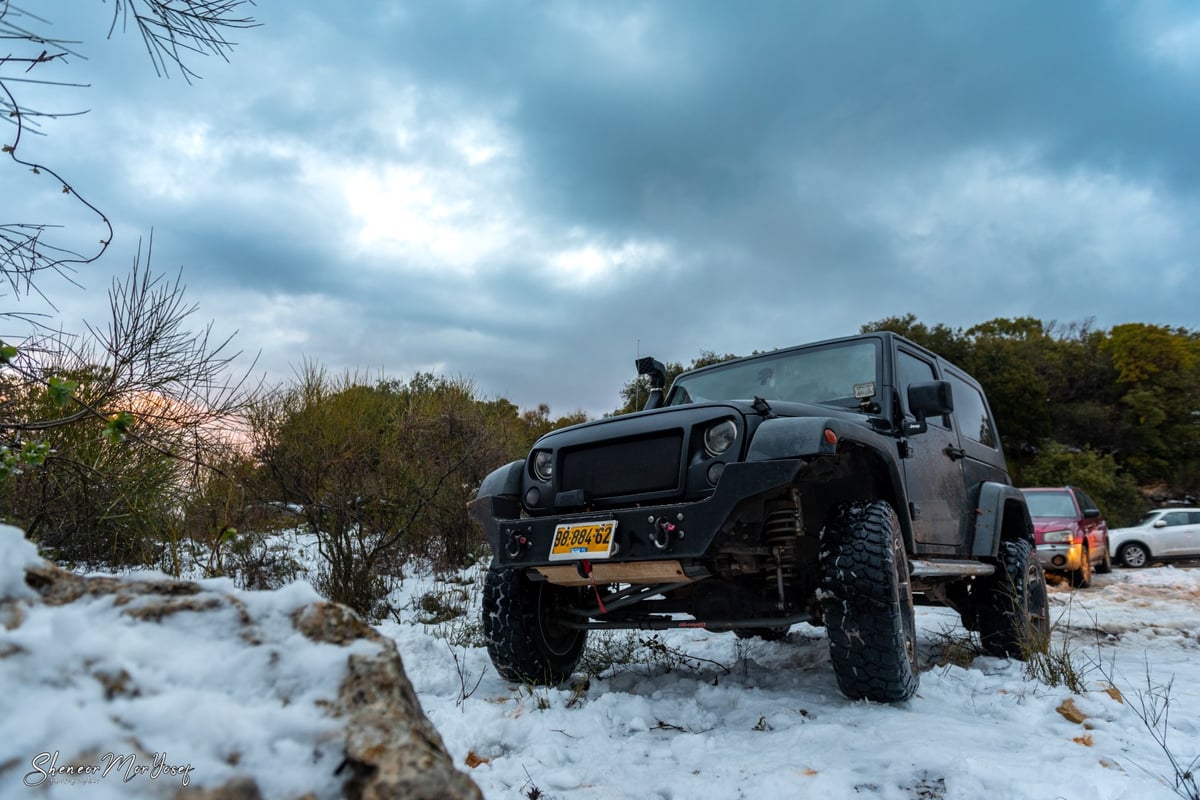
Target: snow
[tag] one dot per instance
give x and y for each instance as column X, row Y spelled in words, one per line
column 205, row 694
column 688, row 715
column 16, row 553
column 749, row 718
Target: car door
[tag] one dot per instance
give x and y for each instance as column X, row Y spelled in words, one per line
column 979, row 444
column 933, row 467
column 1191, row 544
column 1173, row 537
column 1094, row 527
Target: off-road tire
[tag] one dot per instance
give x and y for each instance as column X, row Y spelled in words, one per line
column 1082, row 578
column 866, row 598
column 523, row 626
column 1134, row 554
column 1105, row 565
column 1014, row 617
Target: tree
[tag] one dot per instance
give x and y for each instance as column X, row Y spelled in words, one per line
column 1097, row 473
column 944, row 341
column 101, row 435
column 121, row 417
column 1009, row 357
column 1158, row 377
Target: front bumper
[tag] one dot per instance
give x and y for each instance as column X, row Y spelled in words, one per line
column 1061, row 557
column 518, row 541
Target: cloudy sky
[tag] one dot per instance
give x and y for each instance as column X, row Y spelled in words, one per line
column 528, row 194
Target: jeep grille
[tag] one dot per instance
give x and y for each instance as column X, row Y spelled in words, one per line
column 630, row 466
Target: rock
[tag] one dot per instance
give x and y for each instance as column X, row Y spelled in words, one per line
column 389, row 747
column 392, row 749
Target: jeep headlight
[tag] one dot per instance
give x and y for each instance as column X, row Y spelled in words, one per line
column 543, row 465
column 720, row 437
column 1056, row 537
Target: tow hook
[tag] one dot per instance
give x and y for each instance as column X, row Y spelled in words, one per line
column 663, row 532
column 517, row 543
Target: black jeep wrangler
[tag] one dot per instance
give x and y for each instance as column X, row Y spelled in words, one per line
column 836, row 483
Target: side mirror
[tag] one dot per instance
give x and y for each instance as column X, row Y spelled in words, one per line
column 1091, row 513
column 658, row 379
column 1158, row 523
column 929, row 399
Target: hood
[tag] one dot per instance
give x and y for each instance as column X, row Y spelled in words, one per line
column 1043, row 524
column 652, row 419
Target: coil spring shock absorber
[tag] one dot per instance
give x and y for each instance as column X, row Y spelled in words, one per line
column 780, row 530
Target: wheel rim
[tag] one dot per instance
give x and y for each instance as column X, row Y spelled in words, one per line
column 1133, row 556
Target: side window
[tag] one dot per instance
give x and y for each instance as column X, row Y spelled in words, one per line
column 971, row 412
column 1084, row 501
column 910, row 369
column 1174, row 518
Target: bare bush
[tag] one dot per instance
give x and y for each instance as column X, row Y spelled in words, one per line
column 380, row 473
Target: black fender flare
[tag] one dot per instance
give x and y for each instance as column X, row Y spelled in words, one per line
column 498, row 496
column 504, row 480
column 805, row 437
column 994, row 521
column 793, row 437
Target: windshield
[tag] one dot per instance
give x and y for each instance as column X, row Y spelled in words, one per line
column 1050, row 504
column 842, row 375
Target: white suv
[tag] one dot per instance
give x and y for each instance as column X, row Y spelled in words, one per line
column 1164, row 533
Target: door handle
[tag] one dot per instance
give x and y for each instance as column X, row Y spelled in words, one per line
column 955, row 453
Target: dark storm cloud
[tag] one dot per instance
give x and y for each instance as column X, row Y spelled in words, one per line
column 531, row 193
column 743, row 88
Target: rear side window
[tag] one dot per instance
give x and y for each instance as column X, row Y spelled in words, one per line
column 971, row 412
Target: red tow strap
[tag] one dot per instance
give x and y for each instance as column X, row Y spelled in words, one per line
column 587, row 571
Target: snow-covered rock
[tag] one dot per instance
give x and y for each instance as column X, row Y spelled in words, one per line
column 158, row 687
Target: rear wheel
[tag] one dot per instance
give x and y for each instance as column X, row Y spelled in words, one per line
column 867, row 604
column 524, row 626
column 1134, row 555
column 1082, row 578
column 1014, row 619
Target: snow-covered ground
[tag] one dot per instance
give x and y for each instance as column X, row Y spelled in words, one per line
column 757, row 719
column 684, row 715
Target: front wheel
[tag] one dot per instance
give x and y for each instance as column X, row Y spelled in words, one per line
column 1014, row 618
column 867, row 601
column 524, row 624
column 1134, row 555
column 1105, row 565
column 1082, row 578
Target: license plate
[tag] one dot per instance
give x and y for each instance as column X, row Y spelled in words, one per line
column 580, row 540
